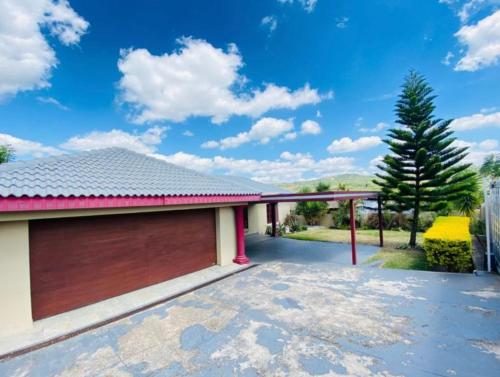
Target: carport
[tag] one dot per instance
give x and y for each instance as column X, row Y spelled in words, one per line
column 327, row 196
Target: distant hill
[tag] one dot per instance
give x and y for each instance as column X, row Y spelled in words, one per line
column 353, row 182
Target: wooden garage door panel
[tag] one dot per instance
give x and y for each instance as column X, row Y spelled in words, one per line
column 78, row 261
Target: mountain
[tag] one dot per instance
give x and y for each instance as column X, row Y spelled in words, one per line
column 353, row 182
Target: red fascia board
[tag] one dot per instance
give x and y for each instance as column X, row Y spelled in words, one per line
column 320, row 196
column 24, row 204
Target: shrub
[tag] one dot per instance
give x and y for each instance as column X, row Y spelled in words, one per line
column 448, row 244
column 425, row 221
column 280, row 230
column 292, row 222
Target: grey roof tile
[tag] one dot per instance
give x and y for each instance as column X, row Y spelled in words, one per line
column 109, row 172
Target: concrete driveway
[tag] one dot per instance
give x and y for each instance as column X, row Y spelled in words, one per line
column 296, row 317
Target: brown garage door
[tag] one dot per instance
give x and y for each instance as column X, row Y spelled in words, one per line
column 78, row 261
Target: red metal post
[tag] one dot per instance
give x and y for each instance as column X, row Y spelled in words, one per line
column 241, row 257
column 273, row 220
column 380, row 222
column 352, row 218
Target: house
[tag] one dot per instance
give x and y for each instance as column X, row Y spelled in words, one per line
column 78, row 229
column 258, row 216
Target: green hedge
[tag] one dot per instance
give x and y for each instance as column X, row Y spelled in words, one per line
column 448, row 244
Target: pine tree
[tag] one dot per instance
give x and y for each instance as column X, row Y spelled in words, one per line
column 424, row 171
column 6, row 153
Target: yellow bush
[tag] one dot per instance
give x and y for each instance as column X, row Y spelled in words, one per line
column 448, row 244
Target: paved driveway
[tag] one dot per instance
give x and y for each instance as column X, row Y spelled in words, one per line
column 297, row 318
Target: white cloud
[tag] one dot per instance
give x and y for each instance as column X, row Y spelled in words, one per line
column 374, row 162
column 478, row 151
column 447, row 59
column 487, row 110
column 488, row 144
column 308, row 5
column 23, row 147
column 346, row 144
column 270, row 22
column 476, row 121
column 145, row 142
column 198, row 80
column 318, row 114
column 262, row 132
column 290, row 136
column 471, row 7
column 52, row 101
column 289, row 167
column 482, row 41
column 310, row 127
column 188, row 133
column 26, row 58
column 377, row 128
column 341, row 22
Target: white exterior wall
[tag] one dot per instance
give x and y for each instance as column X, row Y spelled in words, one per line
column 226, row 235
column 15, row 291
column 257, row 219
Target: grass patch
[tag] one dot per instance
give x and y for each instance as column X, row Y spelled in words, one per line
column 392, row 238
column 402, row 259
column 390, row 254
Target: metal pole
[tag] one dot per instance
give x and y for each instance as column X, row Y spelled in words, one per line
column 352, row 219
column 380, row 222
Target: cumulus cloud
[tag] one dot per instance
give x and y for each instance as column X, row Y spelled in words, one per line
column 24, row 147
column 198, row 80
column 145, row 142
column 26, row 58
column 289, row 167
column 346, row 144
column 482, row 42
column 475, row 121
column 188, row 133
column 262, row 132
column 377, row 128
column 310, row 127
column 478, row 151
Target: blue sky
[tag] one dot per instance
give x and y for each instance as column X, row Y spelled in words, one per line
column 277, row 90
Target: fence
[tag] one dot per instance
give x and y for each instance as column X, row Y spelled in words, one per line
column 493, row 212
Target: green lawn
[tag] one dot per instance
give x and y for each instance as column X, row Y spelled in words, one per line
column 390, row 254
column 370, row 237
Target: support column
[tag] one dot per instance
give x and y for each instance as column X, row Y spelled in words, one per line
column 273, row 220
column 241, row 257
column 352, row 219
column 380, row 222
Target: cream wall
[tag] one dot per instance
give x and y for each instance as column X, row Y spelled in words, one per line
column 257, row 219
column 15, row 292
column 284, row 209
column 226, row 235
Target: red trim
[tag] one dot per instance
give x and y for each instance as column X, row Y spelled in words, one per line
column 13, row 204
column 319, row 196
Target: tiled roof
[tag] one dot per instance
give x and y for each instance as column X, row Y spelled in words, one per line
column 109, row 172
column 263, row 188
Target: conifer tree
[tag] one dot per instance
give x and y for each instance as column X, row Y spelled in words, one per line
column 424, row 170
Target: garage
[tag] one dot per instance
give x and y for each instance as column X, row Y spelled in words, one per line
column 82, row 260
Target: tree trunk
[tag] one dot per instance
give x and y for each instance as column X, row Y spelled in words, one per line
column 416, row 211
